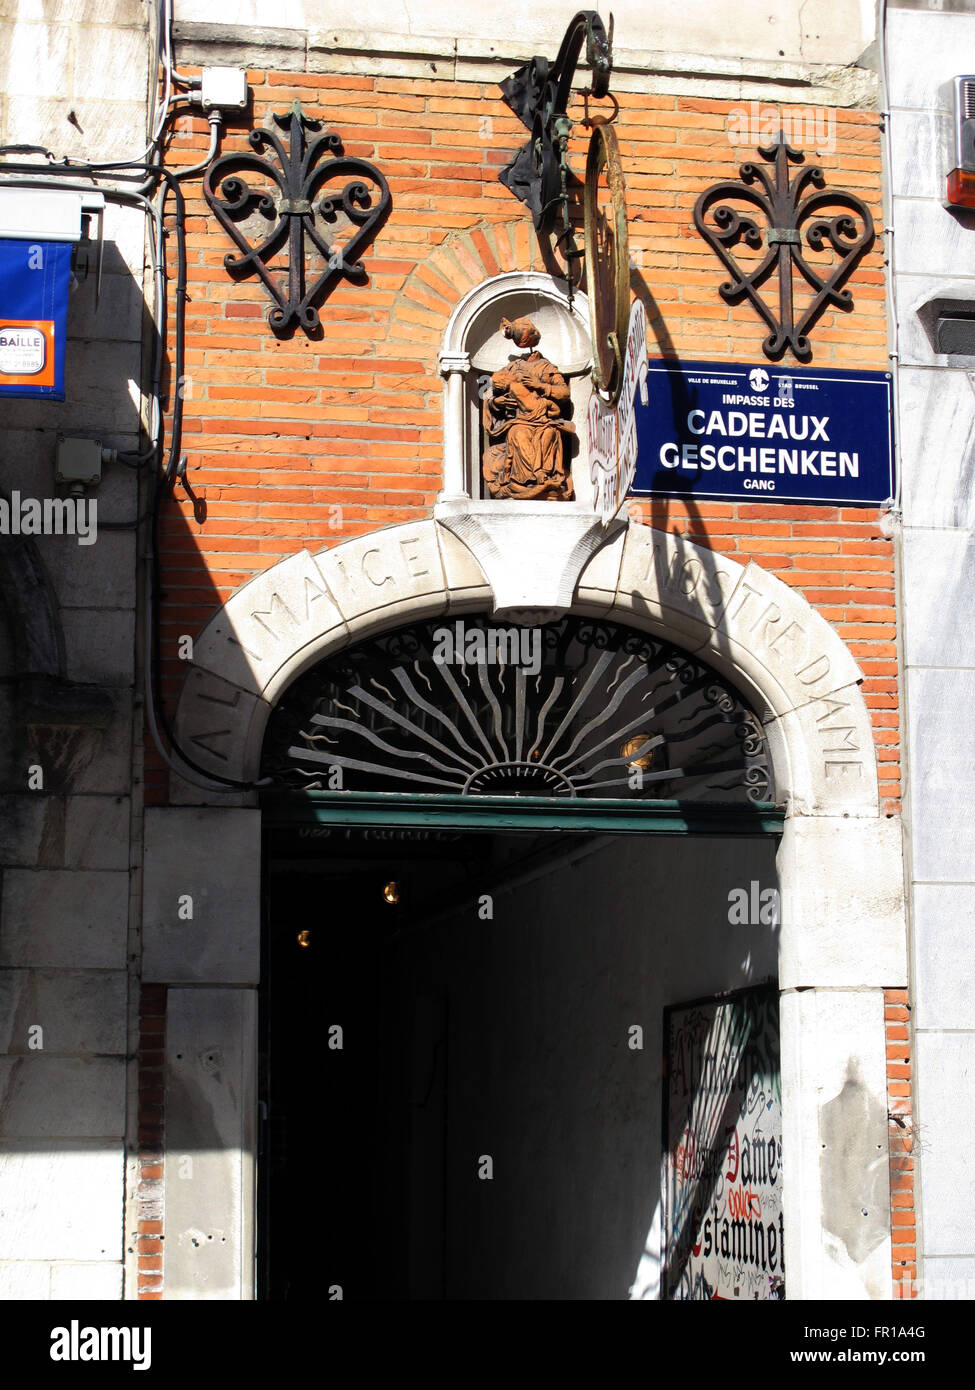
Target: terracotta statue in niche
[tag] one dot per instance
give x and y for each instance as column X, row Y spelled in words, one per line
column 525, row 424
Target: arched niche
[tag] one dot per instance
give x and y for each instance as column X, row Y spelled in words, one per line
column 532, row 552
column 474, row 348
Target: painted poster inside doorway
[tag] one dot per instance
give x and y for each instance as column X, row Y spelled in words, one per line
column 722, row 1229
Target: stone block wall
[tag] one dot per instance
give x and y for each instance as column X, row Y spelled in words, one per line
column 75, row 80
column 934, row 259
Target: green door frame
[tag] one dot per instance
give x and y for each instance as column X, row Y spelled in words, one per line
column 518, row 813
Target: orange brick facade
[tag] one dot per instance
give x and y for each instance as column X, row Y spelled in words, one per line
column 302, row 443
column 903, row 1233
column 152, row 1042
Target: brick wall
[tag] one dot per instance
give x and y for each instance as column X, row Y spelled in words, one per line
column 152, row 1044
column 303, row 442
column 901, row 1140
column 282, row 434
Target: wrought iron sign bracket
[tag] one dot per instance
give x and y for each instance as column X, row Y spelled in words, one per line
column 830, row 219
column 293, row 213
column 539, row 94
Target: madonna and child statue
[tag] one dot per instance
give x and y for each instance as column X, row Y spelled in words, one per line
column 525, row 424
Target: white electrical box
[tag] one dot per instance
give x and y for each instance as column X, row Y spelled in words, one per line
column 224, row 88
column 45, row 214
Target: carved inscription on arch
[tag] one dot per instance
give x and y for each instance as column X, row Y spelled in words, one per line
column 762, row 635
column 386, row 567
column 266, row 621
column 839, row 726
column 684, row 587
column 709, row 588
column 758, row 623
column 783, row 632
column 283, row 617
column 212, row 721
column 398, row 562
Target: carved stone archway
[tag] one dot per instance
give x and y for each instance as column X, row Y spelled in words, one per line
column 840, row 872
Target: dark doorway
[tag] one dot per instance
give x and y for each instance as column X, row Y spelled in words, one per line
column 487, row 1123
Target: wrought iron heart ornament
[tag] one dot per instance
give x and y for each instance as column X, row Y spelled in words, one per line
column 828, row 218
column 297, row 176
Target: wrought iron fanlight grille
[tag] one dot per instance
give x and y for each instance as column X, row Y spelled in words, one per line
column 578, row 708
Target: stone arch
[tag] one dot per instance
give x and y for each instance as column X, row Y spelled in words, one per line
column 486, row 299
column 462, row 261
column 840, row 872
column 790, row 664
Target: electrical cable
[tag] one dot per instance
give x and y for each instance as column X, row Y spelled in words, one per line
column 155, row 708
column 167, row 7
column 156, row 233
column 151, row 173
column 163, row 57
column 215, row 118
column 889, row 290
column 155, row 705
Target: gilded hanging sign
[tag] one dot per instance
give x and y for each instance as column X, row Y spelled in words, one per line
column 607, row 261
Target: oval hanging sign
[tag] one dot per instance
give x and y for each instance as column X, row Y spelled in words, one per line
column 607, row 260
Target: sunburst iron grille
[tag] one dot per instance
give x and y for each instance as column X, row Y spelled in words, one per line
column 578, row 708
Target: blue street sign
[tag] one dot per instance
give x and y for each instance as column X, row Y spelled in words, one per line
column 765, row 433
column 34, row 280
